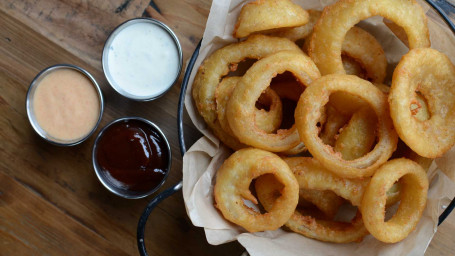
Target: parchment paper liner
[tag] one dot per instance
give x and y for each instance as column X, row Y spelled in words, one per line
column 206, row 155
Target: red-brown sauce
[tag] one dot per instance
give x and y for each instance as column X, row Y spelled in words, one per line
column 132, row 155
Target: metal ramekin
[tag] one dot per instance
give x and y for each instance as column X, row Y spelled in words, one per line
column 29, row 104
column 111, row 37
column 124, row 192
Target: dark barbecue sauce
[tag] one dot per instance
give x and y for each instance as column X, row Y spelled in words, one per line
column 133, row 156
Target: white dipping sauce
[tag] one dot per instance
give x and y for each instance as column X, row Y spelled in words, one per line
column 142, row 60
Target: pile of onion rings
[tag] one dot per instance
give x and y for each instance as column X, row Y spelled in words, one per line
column 315, row 132
column 311, row 175
column 218, row 65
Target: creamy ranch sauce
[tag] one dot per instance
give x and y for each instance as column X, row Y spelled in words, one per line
column 66, row 104
column 143, row 60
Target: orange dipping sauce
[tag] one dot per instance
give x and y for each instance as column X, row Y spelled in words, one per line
column 66, row 105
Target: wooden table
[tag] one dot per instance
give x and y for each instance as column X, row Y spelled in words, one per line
column 51, row 202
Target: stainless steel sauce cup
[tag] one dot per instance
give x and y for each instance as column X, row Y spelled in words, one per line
column 105, row 63
column 107, row 181
column 30, row 111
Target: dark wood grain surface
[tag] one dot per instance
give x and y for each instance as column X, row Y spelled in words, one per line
column 51, row 202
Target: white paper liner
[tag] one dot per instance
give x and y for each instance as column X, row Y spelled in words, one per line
column 204, row 158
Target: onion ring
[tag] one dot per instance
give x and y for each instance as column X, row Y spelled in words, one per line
column 422, row 161
column 268, row 121
column 363, row 56
column 346, row 103
column 263, row 15
column 327, row 230
column 233, row 182
column 311, row 175
column 433, row 74
column 217, row 65
column 403, row 151
column 337, row 19
column 352, row 67
column 384, row 88
column 240, row 110
column 357, row 138
column 301, row 32
column 288, row 87
column 366, row 50
column 325, row 200
column 414, row 188
column 335, row 121
column 419, row 107
column 308, row 112
column 295, row 150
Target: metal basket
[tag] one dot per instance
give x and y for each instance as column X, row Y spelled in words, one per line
column 443, row 7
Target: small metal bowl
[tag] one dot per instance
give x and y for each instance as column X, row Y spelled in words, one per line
column 30, row 97
column 105, row 63
column 122, row 192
